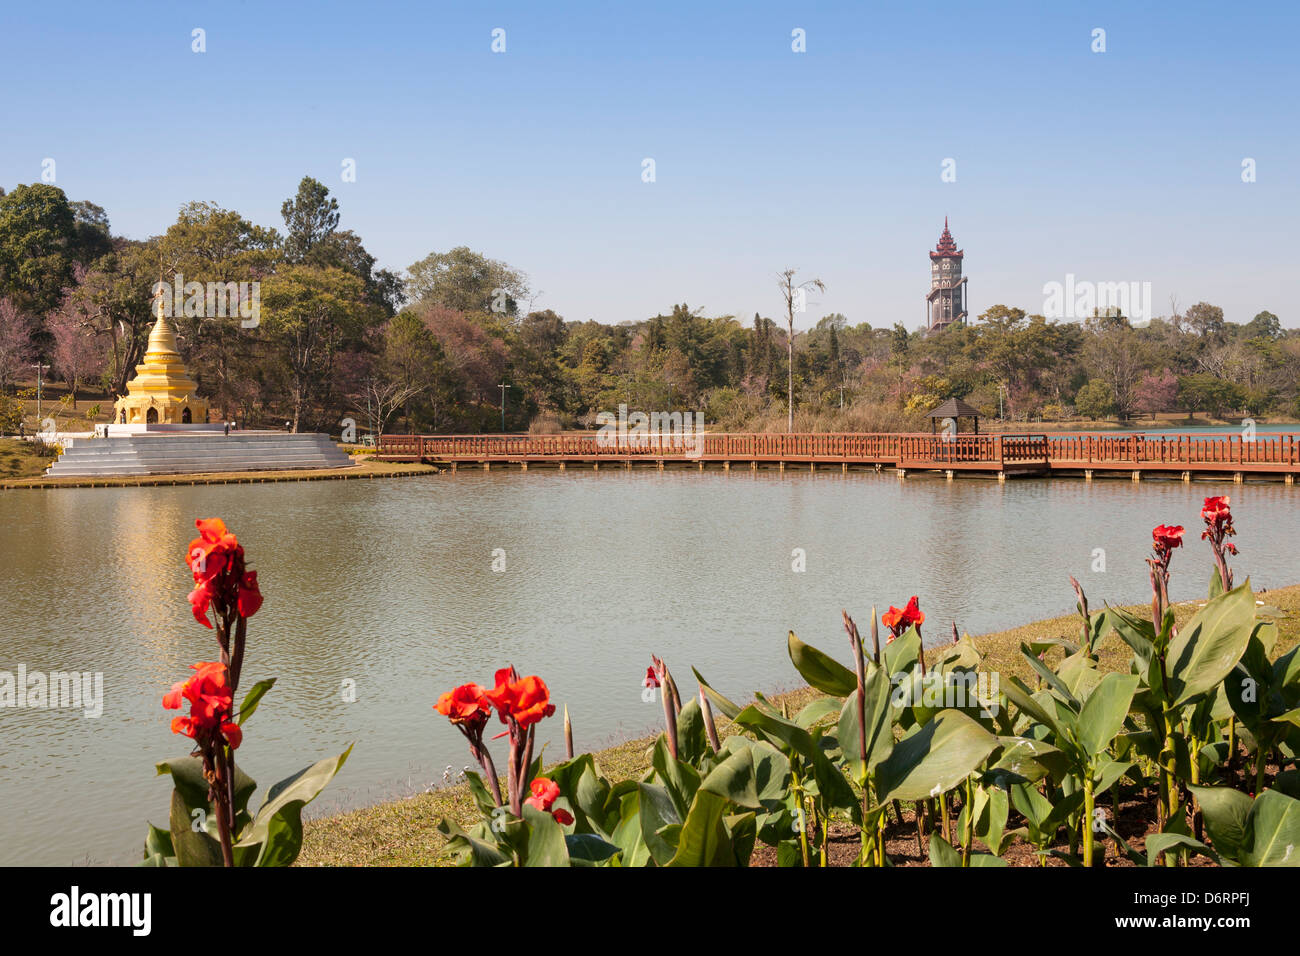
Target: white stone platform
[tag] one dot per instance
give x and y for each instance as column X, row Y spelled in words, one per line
column 190, row 453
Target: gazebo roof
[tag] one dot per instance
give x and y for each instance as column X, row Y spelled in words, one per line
column 955, row 408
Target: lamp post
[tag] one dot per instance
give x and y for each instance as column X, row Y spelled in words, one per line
column 503, row 388
column 39, row 383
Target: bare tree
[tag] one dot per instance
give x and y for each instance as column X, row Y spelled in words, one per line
column 381, row 399
column 1117, row 357
column 794, row 294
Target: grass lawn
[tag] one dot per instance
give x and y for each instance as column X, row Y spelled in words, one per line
column 18, row 460
column 403, row 832
column 364, row 468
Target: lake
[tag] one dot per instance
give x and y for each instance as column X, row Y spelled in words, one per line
column 390, row 584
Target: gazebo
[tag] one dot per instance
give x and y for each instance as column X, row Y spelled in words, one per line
column 955, row 409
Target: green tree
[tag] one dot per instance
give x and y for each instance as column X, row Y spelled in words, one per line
column 343, row 250
column 1095, row 400
column 1265, row 325
column 309, row 219
column 38, row 246
column 467, row 281
column 1202, row 390
column 309, row 316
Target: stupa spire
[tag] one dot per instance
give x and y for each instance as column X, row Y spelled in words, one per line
column 162, row 391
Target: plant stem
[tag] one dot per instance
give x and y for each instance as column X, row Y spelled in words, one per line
column 215, row 760
column 1089, row 808
column 968, row 832
column 1169, row 777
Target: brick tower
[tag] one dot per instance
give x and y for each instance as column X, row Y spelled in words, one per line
column 945, row 303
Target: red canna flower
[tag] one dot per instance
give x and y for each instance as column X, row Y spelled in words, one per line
column 545, row 793
column 1218, row 527
column 216, row 559
column 209, row 553
column 651, row 679
column 209, row 694
column 200, row 600
column 1215, row 507
column 1165, row 538
column 526, row 700
column 467, row 704
column 898, row 621
column 250, row 597
column 1218, row 523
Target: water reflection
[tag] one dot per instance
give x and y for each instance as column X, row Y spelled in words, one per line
column 390, row 584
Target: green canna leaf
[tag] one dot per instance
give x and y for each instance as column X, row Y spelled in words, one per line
column 934, row 759
column 820, row 670
column 1209, row 646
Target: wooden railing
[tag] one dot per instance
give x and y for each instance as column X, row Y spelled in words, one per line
column 1175, row 449
column 1222, row 452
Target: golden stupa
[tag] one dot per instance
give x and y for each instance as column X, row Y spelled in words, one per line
column 162, row 391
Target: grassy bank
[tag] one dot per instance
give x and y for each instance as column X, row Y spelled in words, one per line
column 22, row 461
column 402, row 832
column 366, row 468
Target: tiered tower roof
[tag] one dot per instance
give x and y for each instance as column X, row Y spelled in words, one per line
column 947, row 247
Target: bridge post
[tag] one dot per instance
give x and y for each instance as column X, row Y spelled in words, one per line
column 1187, row 476
column 660, row 464
column 902, row 473
column 948, row 472
column 844, row 468
column 701, row 464
column 1238, row 477
column 1289, row 478
column 523, row 466
column 561, row 466
column 487, row 466
column 1002, row 477
column 812, row 466
column 753, row 466
column 1137, row 475
column 781, row 468
column 1087, row 474
column 726, row 465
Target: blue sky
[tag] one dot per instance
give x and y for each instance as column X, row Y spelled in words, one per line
column 1117, row 166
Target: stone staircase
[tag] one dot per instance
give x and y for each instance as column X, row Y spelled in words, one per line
column 202, row 453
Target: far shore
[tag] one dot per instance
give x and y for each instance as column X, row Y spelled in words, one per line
column 364, row 468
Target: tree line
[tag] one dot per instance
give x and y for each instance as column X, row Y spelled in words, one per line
column 430, row 349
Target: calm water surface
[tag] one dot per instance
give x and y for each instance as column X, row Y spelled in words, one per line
column 390, row 584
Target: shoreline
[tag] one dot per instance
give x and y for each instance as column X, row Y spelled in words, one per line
column 366, row 468
column 403, row 832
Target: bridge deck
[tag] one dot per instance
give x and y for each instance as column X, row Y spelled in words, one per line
column 1273, row 454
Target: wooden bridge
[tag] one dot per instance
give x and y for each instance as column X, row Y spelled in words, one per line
column 1220, row 456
